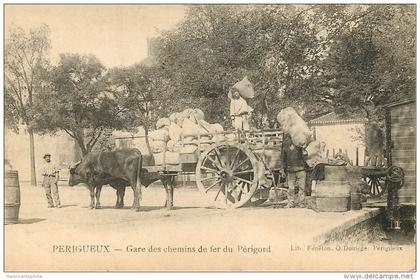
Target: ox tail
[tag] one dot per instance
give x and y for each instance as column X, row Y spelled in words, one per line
column 139, row 167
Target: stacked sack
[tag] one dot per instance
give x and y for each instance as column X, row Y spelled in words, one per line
column 190, row 123
column 166, row 142
column 295, row 126
column 158, row 140
column 160, row 136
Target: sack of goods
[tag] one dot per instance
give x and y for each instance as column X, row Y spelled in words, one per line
column 159, row 135
column 245, row 88
column 188, row 149
column 158, row 146
column 162, row 122
column 191, row 128
column 216, row 128
column 198, row 114
column 315, row 151
column 231, row 137
column 273, row 158
column 159, row 138
column 174, row 146
column 175, row 132
column 291, row 123
column 173, row 118
column 186, row 113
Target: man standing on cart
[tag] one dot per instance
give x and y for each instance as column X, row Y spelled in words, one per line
column 239, row 109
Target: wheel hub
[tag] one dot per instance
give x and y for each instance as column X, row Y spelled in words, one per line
column 226, row 175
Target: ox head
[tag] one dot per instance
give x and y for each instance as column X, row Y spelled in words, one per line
column 75, row 177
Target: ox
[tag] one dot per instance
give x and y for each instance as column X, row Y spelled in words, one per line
column 119, row 169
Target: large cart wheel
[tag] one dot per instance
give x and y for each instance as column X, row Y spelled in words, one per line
column 226, row 175
column 377, row 185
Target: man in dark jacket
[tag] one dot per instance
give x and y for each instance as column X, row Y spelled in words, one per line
column 293, row 160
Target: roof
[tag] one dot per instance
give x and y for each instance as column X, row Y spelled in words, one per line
column 333, row 118
column 394, row 104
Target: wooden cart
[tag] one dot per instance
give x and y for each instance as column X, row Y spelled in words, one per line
column 232, row 169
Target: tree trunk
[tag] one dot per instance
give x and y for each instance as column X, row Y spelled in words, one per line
column 146, row 134
column 32, row 157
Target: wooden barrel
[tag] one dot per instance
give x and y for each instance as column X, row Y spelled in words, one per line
column 333, row 193
column 355, row 201
column 355, row 177
column 11, row 197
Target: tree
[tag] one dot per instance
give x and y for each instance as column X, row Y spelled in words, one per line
column 371, row 61
column 141, row 90
column 25, row 65
column 216, row 46
column 79, row 102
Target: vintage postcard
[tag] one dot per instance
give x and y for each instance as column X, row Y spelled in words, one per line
column 198, row 137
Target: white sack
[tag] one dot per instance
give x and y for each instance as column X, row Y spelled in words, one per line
column 175, row 132
column 162, row 122
column 173, row 117
column 158, row 146
column 315, row 151
column 199, row 114
column 291, row 123
column 188, row 149
column 191, row 128
column 216, row 128
column 174, row 146
column 159, row 135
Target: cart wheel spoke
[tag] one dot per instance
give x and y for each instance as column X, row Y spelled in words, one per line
column 226, row 193
column 219, row 157
column 243, row 172
column 242, row 162
column 218, row 192
column 227, row 169
column 213, row 162
column 210, row 169
column 211, row 186
column 242, row 179
column 233, row 193
column 238, row 184
column 210, row 178
column 234, row 159
column 378, row 186
column 372, row 187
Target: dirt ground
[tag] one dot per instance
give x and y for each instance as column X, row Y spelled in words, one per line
column 193, row 236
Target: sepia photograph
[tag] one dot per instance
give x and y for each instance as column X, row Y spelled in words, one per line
column 194, row 137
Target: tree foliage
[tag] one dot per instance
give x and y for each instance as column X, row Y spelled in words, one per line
column 316, row 58
column 371, row 61
column 25, row 63
column 79, row 102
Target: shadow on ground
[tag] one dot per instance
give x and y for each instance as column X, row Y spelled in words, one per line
column 148, row 208
column 30, row 221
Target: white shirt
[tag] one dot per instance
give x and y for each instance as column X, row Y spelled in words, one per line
column 49, row 168
column 239, row 106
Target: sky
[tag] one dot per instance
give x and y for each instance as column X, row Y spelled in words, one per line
column 116, row 34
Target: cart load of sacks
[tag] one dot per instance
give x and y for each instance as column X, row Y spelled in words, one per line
column 177, row 134
column 180, row 132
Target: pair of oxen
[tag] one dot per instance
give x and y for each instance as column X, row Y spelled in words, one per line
column 119, row 169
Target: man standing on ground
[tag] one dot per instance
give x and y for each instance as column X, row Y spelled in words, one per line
column 50, row 173
column 294, row 164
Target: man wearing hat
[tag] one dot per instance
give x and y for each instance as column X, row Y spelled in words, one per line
column 239, row 108
column 50, row 173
